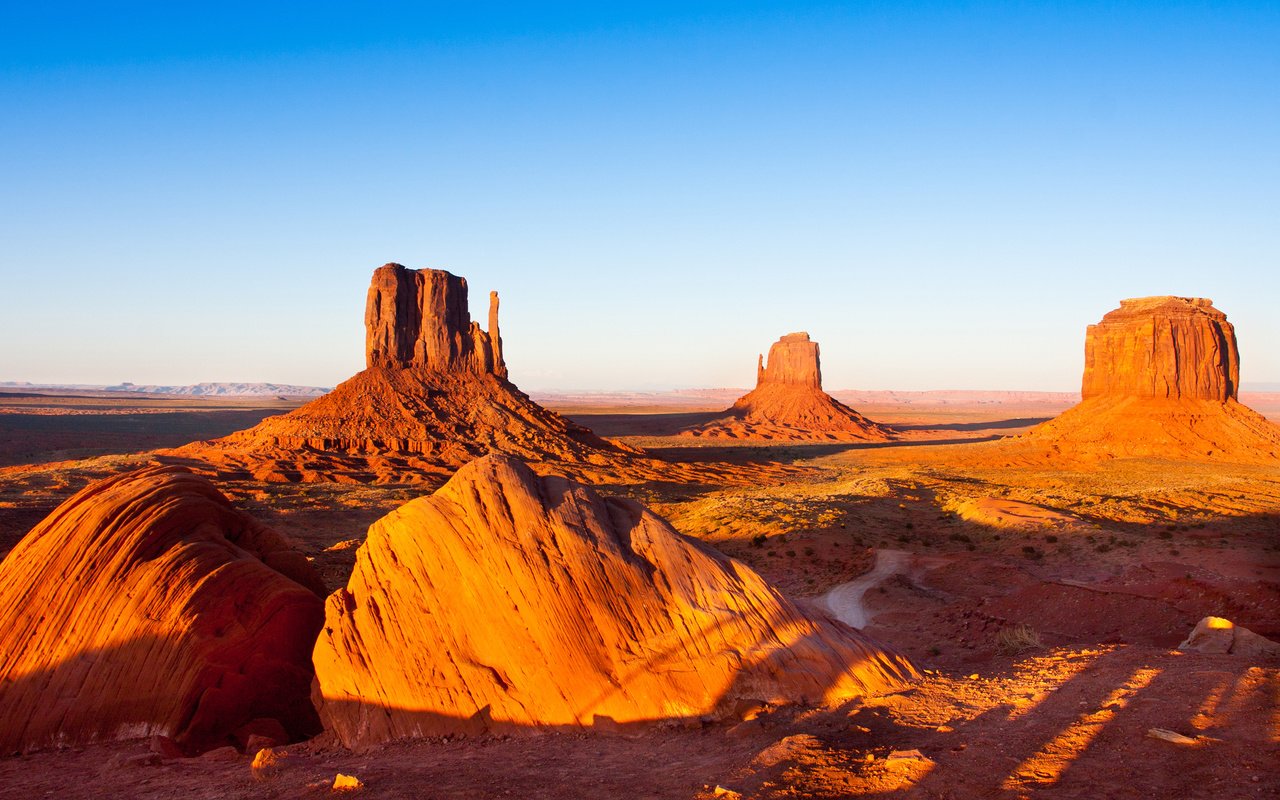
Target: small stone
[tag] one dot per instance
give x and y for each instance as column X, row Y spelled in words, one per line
column 347, row 783
column 166, row 748
column 729, row 794
column 227, row 753
column 267, row 764
column 265, row 728
column 256, row 743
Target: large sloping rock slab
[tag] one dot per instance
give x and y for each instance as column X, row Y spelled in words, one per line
column 147, row 604
column 788, row 403
column 508, row 600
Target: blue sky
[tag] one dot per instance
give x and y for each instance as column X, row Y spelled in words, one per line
column 944, row 195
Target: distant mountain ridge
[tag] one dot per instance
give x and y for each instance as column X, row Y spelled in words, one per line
column 224, row 389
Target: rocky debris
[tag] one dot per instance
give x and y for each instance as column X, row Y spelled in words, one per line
column 1165, row 347
column 347, row 783
column 268, row 763
column 147, row 605
column 1220, row 636
column 1160, row 381
column 506, row 600
column 788, row 403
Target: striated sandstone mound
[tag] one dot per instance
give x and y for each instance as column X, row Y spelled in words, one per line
column 508, row 600
column 1160, row 381
column 146, row 604
column 434, row 396
column 788, row 403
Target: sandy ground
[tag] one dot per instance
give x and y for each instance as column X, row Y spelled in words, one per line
column 1044, row 605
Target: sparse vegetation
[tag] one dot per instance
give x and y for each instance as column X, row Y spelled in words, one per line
column 1017, row 639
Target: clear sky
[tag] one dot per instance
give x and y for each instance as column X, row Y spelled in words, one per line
column 944, row 195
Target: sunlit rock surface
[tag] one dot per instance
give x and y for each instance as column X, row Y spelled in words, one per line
column 788, row 403
column 147, row 604
column 508, row 600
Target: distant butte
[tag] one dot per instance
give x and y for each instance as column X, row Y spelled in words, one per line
column 1161, row 379
column 788, row 403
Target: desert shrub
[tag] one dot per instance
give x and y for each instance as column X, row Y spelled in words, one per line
column 1017, row 639
column 1051, row 538
column 959, row 537
column 759, row 539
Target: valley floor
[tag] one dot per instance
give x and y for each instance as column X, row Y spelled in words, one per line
column 1044, row 604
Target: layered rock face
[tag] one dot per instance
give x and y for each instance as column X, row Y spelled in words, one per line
column 507, row 600
column 1160, row 381
column 788, row 403
column 793, row 361
column 433, row 396
column 1162, row 347
column 147, row 604
column 420, row 318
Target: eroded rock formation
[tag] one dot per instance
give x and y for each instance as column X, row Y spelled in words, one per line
column 788, row 403
column 793, row 361
column 1162, row 347
column 1160, row 381
column 508, row 600
column 420, row 318
column 434, row 396
column 147, row 604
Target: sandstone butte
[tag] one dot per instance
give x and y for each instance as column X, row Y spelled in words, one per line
column 434, row 395
column 1161, row 378
column 146, row 604
column 788, row 403
column 507, row 601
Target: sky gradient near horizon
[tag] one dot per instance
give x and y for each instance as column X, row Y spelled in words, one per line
column 943, row 194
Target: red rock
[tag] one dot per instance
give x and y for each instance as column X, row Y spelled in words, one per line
column 506, row 600
column 433, row 397
column 147, row 605
column 788, row 403
column 1165, row 347
column 1160, row 381
column 419, row 318
column 261, row 729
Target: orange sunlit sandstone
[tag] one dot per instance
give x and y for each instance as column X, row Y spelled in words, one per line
column 1162, row 347
column 788, row 403
column 147, row 604
column 1160, row 381
column 506, row 599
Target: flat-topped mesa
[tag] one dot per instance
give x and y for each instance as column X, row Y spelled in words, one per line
column 793, row 361
column 419, row 318
column 1162, row 347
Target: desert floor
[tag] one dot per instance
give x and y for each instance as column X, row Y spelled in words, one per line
column 1044, row 605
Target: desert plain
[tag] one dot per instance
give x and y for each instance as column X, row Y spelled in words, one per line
column 1040, row 597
